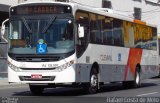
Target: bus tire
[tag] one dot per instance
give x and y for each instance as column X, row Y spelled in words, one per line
column 137, row 79
column 36, row 89
column 136, row 82
column 126, row 84
column 93, row 85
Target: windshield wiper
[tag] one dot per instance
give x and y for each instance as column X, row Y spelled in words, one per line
column 25, row 23
column 49, row 23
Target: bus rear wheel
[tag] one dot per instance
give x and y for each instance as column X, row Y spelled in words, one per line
column 136, row 82
column 36, row 89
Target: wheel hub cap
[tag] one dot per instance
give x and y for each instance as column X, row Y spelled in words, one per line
column 93, row 81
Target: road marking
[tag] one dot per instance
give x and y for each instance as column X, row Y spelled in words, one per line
column 147, row 94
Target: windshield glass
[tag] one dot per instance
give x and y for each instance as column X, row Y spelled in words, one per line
column 56, row 34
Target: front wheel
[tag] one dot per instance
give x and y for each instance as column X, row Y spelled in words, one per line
column 93, row 85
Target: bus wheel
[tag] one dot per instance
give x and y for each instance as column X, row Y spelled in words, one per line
column 36, row 89
column 137, row 80
column 126, row 84
column 93, row 85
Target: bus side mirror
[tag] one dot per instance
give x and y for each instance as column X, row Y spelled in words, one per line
column 80, row 31
column 3, row 27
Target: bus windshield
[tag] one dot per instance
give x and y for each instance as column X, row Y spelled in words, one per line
column 56, row 33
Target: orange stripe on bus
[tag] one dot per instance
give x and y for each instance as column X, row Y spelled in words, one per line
column 139, row 22
column 134, row 58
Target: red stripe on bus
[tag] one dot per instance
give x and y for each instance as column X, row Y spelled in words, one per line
column 134, row 58
column 126, row 70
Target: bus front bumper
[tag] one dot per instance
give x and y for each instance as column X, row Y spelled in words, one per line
column 66, row 76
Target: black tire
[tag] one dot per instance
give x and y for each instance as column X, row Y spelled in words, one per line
column 93, row 85
column 137, row 79
column 136, row 82
column 127, row 84
column 36, row 89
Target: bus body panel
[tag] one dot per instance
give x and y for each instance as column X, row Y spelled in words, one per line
column 113, row 61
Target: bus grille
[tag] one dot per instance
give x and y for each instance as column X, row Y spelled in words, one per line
column 44, row 78
column 38, row 68
column 37, row 59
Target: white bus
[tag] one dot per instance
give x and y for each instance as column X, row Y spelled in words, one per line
column 55, row 44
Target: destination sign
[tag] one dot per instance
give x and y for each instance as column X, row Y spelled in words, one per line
column 40, row 9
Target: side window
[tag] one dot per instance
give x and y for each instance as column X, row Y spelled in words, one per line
column 154, row 39
column 146, row 39
column 117, row 33
column 96, row 28
column 128, row 32
column 82, row 19
column 107, row 31
column 99, row 36
column 93, row 27
column 137, row 35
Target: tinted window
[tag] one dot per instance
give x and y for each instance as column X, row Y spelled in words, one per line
column 117, row 32
column 82, row 19
column 93, row 27
column 107, row 31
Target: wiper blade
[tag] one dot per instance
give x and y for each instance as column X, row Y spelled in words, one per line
column 49, row 23
column 25, row 23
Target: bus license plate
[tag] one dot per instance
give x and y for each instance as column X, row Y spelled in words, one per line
column 36, row 76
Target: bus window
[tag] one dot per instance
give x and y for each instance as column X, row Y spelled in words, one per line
column 128, row 34
column 93, row 27
column 108, row 30
column 146, row 37
column 154, row 39
column 82, row 19
column 117, row 33
column 99, row 36
column 137, row 35
column 16, row 32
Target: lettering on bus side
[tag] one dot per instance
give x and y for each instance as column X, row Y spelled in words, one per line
column 105, row 57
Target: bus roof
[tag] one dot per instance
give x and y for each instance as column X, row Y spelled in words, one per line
column 112, row 13
column 101, row 11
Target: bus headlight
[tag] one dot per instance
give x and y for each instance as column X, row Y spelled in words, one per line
column 64, row 66
column 16, row 69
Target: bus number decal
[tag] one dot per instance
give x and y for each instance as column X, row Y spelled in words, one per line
column 49, row 65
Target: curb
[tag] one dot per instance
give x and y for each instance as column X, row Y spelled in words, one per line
column 4, row 84
column 13, row 85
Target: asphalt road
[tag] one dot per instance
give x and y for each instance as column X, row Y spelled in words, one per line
column 150, row 88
